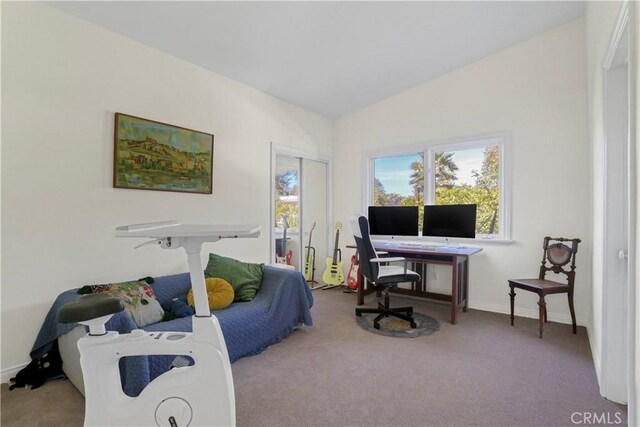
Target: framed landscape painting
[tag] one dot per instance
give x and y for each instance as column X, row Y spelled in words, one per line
column 151, row 155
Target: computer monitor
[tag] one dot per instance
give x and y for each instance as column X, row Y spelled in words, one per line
column 449, row 221
column 393, row 220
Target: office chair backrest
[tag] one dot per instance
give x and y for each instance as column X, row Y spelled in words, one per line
column 360, row 227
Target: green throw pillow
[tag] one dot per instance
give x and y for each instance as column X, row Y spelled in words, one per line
column 244, row 277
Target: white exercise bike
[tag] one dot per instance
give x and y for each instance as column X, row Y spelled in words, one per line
column 201, row 394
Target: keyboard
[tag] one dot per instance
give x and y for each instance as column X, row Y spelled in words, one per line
column 416, row 245
column 410, row 245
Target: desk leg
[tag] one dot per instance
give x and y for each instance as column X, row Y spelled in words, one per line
column 465, row 284
column 454, row 290
column 360, row 295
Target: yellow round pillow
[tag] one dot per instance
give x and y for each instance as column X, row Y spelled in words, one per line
column 219, row 293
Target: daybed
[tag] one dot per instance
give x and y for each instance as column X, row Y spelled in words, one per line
column 281, row 304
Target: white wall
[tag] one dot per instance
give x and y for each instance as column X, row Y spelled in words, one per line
column 63, row 80
column 535, row 90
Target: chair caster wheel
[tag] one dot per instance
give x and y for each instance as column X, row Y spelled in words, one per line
column 414, row 325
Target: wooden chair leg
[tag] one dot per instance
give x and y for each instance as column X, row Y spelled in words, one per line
column 512, row 296
column 573, row 313
column 542, row 306
column 545, row 314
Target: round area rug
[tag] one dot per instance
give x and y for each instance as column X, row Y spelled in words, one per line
column 394, row 327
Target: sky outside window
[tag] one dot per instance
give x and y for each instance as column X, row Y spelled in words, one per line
column 468, row 161
column 394, row 173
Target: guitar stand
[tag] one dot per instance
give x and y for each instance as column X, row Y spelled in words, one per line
column 313, row 271
column 325, row 287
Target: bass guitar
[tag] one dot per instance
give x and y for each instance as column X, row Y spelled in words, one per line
column 310, row 265
column 286, row 256
column 333, row 275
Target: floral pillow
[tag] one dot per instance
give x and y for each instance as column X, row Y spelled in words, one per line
column 138, row 299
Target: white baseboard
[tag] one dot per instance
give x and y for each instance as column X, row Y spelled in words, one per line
column 529, row 313
column 594, row 354
column 11, row 372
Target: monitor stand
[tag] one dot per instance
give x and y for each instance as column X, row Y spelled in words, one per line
column 448, row 245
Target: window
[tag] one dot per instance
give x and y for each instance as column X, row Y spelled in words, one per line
column 463, row 172
column 399, row 181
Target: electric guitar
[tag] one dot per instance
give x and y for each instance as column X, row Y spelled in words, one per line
column 334, row 275
column 310, row 266
column 286, row 256
column 352, row 276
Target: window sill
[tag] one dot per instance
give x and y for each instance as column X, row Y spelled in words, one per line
column 492, row 241
column 473, row 242
column 454, row 241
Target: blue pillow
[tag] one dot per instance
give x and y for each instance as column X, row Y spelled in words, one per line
column 180, row 308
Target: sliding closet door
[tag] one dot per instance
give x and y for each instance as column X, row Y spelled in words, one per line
column 301, row 210
column 287, row 243
column 314, row 213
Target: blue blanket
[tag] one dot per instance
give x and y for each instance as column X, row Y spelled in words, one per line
column 282, row 303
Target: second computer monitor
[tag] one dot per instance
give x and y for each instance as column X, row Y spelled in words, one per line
column 449, row 221
column 393, row 220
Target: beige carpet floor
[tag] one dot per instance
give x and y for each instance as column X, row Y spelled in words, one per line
column 480, row 372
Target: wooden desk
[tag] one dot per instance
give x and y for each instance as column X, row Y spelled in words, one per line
column 420, row 256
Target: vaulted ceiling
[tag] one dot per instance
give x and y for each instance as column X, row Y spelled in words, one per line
column 332, row 58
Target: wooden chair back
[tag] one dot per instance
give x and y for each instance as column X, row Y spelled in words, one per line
column 558, row 255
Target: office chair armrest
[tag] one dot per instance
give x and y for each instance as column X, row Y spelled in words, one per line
column 390, row 259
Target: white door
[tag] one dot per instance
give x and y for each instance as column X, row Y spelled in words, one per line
column 619, row 222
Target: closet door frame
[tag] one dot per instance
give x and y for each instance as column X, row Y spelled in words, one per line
column 282, row 150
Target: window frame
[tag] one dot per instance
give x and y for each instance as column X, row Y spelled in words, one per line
column 500, row 139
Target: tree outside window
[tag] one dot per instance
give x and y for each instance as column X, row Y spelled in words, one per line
column 399, row 181
column 481, row 184
column 287, row 199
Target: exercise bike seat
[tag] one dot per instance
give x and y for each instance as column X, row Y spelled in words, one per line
column 89, row 307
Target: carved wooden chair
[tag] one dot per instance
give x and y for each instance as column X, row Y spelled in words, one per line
column 558, row 255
